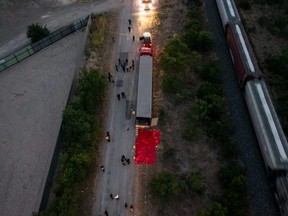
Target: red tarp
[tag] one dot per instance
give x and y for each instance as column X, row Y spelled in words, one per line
column 146, row 143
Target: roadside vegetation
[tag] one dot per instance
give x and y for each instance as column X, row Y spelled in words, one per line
column 191, row 84
column 81, row 128
column 36, row 32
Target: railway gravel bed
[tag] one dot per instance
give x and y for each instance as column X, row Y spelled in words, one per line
column 262, row 200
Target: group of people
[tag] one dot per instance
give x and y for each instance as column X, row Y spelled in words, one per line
column 125, row 160
column 122, row 95
column 124, row 65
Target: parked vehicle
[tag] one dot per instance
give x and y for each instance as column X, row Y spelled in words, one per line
column 144, row 94
column 146, row 39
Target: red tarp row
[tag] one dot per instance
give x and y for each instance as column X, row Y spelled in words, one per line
column 146, row 143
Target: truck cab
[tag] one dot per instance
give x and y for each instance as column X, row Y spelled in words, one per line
column 145, row 51
column 146, row 39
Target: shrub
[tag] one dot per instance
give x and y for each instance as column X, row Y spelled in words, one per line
column 233, row 181
column 199, row 110
column 278, row 63
column 263, row 21
column 229, row 148
column 164, row 185
column 194, row 12
column 91, row 89
column 195, row 181
column 37, row 32
column 176, row 47
column 245, row 4
column 76, row 125
column 215, row 209
column 169, row 153
column 205, row 40
column 172, row 84
column 279, row 25
column 216, row 106
column 228, row 173
column 190, row 132
column 180, row 97
column 208, row 88
column 193, row 24
column 210, row 73
column 162, row 115
column 217, row 130
column 173, row 64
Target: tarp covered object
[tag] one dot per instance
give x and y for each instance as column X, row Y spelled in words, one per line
column 146, row 143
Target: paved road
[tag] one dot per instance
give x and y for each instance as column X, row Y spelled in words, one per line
column 53, row 17
column 118, row 179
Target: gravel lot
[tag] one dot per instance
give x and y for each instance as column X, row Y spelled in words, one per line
column 262, row 199
column 33, row 94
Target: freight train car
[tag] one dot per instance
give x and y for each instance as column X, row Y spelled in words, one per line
column 267, row 127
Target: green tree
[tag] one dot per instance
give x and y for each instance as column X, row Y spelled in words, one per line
column 165, row 186
column 176, row 47
column 175, row 56
column 216, row 209
column 91, row 89
column 207, row 88
column 77, row 125
column 229, row 172
column 172, row 84
column 199, row 110
column 36, row 32
column 205, row 40
column 191, row 131
column 210, row 73
column 195, row 181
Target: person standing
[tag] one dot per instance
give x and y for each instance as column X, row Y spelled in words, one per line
column 123, row 94
column 106, row 213
column 102, row 168
column 123, row 158
column 107, row 138
column 111, row 196
column 118, row 96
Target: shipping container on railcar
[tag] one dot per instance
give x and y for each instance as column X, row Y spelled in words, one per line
column 228, row 12
column 281, row 188
column 271, row 138
column 244, row 60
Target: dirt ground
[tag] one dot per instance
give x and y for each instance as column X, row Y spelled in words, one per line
column 189, row 156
